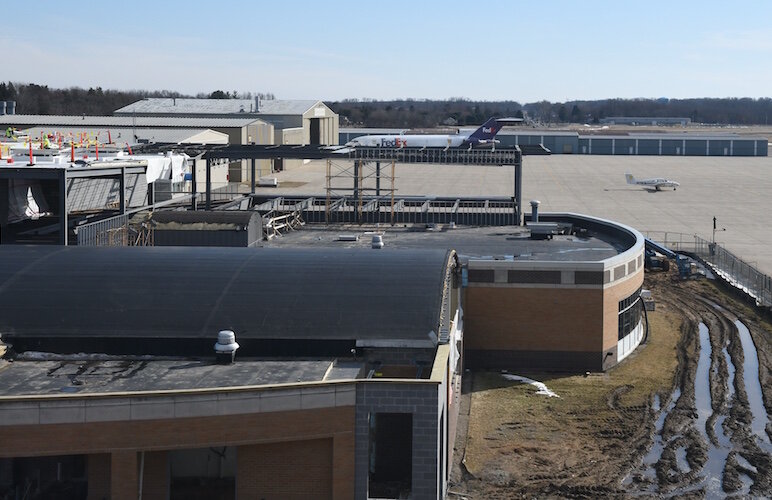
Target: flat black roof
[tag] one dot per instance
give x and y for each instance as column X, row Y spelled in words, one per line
column 491, row 242
column 129, row 375
column 268, row 294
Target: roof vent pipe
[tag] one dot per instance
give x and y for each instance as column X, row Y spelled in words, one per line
column 257, row 104
column 225, row 348
column 535, row 210
column 377, row 241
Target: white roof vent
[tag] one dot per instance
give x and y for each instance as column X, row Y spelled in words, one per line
column 225, row 348
column 377, row 241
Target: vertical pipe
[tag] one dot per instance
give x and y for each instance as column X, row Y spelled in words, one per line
column 518, row 189
column 377, row 179
column 63, row 207
column 208, row 187
column 327, row 206
column 357, row 167
column 123, row 190
column 253, row 177
column 392, row 192
column 150, row 193
column 193, row 204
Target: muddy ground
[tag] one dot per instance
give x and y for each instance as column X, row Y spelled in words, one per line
column 651, row 427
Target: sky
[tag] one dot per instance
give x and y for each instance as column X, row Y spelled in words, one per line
column 525, row 51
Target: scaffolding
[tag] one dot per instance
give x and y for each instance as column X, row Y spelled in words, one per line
column 353, row 183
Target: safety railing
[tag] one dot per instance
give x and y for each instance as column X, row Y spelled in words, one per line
column 729, row 266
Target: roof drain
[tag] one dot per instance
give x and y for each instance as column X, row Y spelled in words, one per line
column 225, row 348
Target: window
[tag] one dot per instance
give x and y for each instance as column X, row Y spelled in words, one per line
column 630, row 310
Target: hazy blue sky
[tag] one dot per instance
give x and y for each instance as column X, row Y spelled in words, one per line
column 518, row 50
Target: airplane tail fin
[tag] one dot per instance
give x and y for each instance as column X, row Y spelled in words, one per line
column 486, row 132
column 630, row 178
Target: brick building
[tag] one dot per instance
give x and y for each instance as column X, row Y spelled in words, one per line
column 347, row 377
column 344, row 384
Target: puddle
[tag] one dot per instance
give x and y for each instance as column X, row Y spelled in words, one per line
column 724, row 441
column 683, row 464
column 730, row 369
column 742, row 462
column 702, row 399
column 753, row 386
column 713, row 470
column 651, row 458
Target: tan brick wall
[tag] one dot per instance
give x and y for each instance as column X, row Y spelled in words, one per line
column 98, row 475
column 293, row 470
column 329, row 430
column 343, row 466
column 123, row 476
column 533, row 319
column 155, row 481
column 174, row 433
column 611, row 307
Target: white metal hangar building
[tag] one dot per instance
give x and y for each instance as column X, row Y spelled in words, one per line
column 294, row 121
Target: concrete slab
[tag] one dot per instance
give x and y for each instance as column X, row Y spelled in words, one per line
column 736, row 190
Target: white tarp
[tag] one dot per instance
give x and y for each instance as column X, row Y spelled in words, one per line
column 179, row 167
column 25, row 200
column 158, row 167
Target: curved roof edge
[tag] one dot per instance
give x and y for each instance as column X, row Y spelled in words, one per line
column 636, row 243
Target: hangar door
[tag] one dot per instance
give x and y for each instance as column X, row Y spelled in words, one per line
column 315, row 131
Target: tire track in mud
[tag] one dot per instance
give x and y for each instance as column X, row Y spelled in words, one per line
column 707, row 439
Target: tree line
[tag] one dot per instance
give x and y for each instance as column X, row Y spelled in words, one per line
column 460, row 112
column 33, row 99
column 414, row 113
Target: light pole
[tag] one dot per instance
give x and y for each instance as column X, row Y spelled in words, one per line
column 713, row 240
column 714, row 230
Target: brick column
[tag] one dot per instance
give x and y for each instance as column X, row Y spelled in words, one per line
column 155, row 482
column 124, row 476
column 98, row 474
column 343, row 465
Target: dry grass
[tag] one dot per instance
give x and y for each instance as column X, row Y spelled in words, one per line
column 511, row 429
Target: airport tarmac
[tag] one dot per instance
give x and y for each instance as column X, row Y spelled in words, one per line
column 736, row 190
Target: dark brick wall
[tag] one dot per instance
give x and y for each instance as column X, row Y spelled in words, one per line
column 421, row 400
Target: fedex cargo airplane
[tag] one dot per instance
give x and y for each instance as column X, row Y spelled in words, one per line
column 483, row 136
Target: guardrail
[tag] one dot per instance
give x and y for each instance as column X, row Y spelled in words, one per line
column 404, row 210
column 729, row 266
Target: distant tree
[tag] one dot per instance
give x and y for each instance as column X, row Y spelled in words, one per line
column 219, row 94
column 576, row 114
column 562, row 113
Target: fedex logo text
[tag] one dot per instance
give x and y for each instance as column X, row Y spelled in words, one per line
column 393, row 143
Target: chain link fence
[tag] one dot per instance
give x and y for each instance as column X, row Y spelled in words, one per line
column 723, row 262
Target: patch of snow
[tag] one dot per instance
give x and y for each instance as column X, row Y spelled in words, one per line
column 540, row 387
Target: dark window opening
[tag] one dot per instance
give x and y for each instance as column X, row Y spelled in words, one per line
column 316, row 136
column 207, row 473
column 630, row 311
column 58, row 478
column 391, row 455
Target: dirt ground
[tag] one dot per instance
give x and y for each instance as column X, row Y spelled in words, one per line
column 649, row 427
